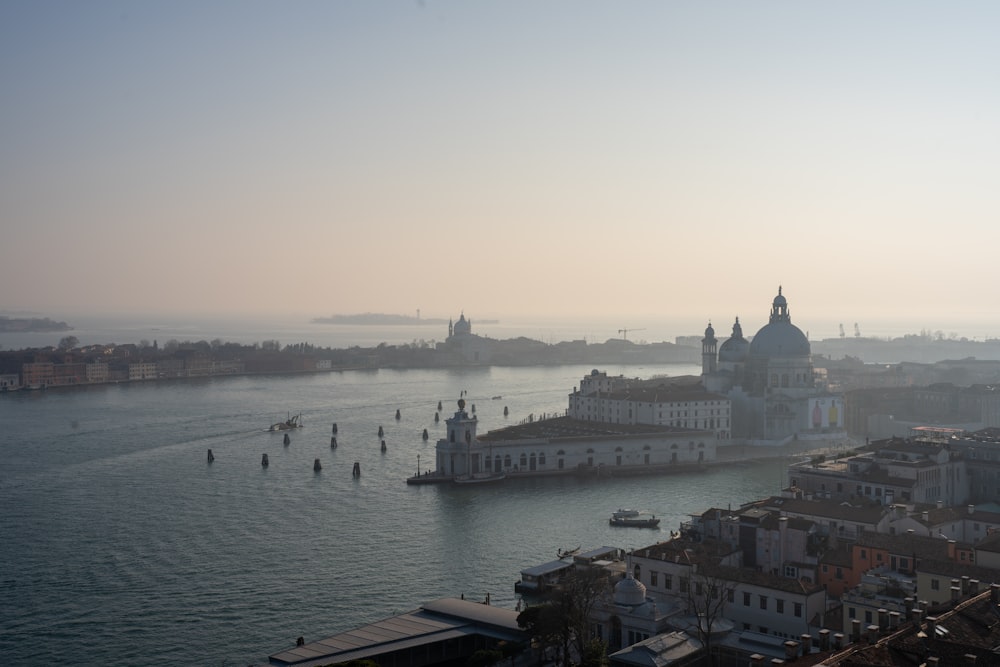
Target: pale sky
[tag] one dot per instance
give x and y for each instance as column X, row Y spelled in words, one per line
column 501, row 158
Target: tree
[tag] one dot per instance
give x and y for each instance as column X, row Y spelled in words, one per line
column 67, row 343
column 706, row 595
column 581, row 590
column 543, row 623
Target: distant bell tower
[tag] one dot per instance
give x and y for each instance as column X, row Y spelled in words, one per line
column 709, row 347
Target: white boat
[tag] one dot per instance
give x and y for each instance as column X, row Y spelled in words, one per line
column 479, row 478
column 621, row 513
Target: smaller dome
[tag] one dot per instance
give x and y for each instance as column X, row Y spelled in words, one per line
column 709, row 331
column 736, row 347
column 630, row 592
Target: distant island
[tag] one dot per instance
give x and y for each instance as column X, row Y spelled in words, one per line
column 32, row 324
column 380, row 319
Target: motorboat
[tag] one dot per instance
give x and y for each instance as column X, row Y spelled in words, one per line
column 634, row 519
column 287, row 425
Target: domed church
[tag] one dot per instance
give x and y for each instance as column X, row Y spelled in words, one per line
column 774, row 393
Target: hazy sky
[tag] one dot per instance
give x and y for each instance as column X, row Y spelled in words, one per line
column 542, row 157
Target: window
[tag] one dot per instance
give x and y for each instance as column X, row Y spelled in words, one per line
column 746, row 599
column 654, row 578
column 668, row 582
column 779, row 605
column 730, row 595
column 852, row 612
column 798, row 609
column 868, row 616
column 864, row 554
column 935, row 585
column 698, row 590
column 763, row 602
column 682, row 584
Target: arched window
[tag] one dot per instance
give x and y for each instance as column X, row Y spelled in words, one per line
column 784, row 379
column 541, row 458
column 635, row 572
column 506, row 461
column 774, row 379
column 524, row 459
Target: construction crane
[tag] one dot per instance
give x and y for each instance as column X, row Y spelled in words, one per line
column 624, row 332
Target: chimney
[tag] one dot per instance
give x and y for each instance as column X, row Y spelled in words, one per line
column 910, row 531
column 965, row 584
column 970, row 658
column 883, row 620
column 925, row 515
column 972, row 509
column 973, row 587
column 791, row 650
column 855, row 631
column 872, row 633
column 940, row 503
column 908, row 605
column 824, row 640
column 756, row 660
column 995, row 593
column 916, row 615
column 956, row 593
column 807, row 643
column 777, row 661
column 931, row 624
column 951, row 549
column 838, row 641
column 932, row 661
column 894, row 617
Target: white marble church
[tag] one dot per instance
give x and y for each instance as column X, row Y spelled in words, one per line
column 775, row 395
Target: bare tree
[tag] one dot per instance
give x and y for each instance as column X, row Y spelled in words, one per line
column 706, row 595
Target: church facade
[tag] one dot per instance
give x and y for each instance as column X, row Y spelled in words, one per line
column 775, row 394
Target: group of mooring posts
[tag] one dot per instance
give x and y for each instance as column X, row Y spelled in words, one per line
column 356, row 471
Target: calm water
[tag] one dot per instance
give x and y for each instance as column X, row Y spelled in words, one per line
column 121, row 545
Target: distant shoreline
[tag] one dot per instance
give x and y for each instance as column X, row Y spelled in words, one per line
column 386, row 319
column 31, row 325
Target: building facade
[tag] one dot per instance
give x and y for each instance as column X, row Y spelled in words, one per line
column 771, row 382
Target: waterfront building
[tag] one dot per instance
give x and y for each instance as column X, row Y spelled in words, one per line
column 9, row 381
column 771, row 382
column 563, row 445
column 897, row 470
column 683, row 403
column 98, row 371
column 142, row 370
column 443, row 631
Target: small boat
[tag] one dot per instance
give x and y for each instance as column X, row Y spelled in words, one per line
column 633, row 519
column 479, row 478
column 288, row 424
column 561, row 553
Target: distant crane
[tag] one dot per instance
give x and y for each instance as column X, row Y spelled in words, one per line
column 624, row 332
column 857, row 331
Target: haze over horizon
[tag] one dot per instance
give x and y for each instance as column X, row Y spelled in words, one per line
column 560, row 159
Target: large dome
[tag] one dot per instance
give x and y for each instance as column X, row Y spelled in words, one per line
column 780, row 338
